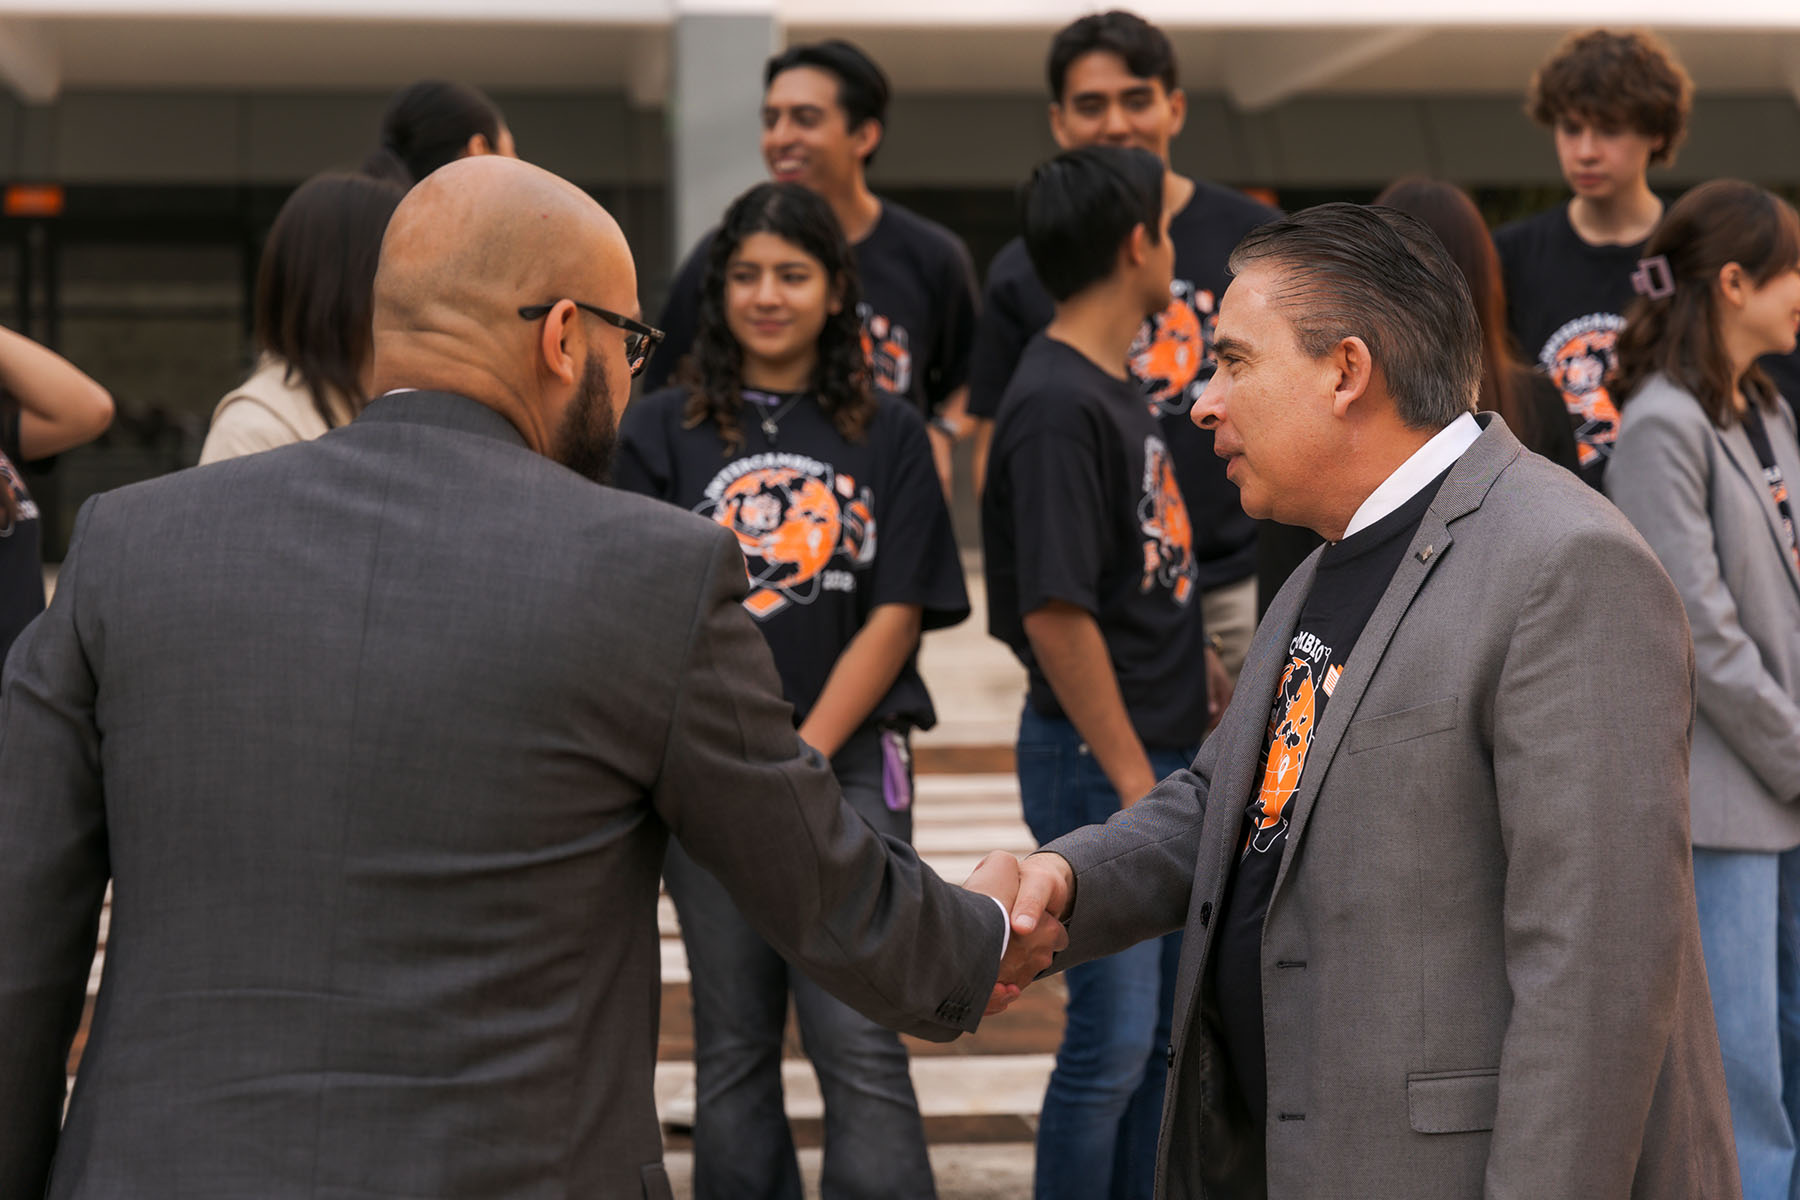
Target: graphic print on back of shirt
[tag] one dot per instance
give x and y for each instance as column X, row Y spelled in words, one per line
column 1579, row 358
column 23, row 504
column 1168, row 534
column 1293, row 717
column 802, row 526
column 888, row 347
column 1172, row 347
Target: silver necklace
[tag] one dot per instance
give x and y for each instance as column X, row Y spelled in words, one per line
column 771, row 417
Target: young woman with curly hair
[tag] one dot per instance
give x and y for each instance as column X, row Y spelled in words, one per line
column 830, row 489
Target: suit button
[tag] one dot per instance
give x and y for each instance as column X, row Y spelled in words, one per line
column 1171, row 1055
column 1206, row 914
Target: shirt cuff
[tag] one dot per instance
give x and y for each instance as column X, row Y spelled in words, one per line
column 1005, row 926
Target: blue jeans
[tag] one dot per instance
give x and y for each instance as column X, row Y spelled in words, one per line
column 1750, row 931
column 1097, row 1134
column 743, row 1149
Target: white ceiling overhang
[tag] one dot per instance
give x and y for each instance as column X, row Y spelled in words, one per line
column 1258, row 55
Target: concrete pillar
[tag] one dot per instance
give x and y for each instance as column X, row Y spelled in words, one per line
column 715, row 108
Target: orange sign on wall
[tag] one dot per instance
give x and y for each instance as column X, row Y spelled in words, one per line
column 34, row 200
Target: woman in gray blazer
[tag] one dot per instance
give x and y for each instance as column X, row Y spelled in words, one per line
column 1704, row 462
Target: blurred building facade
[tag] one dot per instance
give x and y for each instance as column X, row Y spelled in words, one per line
column 147, row 144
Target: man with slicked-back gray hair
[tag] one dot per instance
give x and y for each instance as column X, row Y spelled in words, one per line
column 1433, row 865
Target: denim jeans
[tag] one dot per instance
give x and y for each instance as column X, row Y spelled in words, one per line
column 743, row 1149
column 1102, row 1112
column 1750, row 931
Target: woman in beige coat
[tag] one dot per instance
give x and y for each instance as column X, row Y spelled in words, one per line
column 312, row 318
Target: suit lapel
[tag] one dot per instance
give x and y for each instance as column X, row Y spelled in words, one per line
column 1245, row 731
column 1742, row 454
column 1461, row 494
column 1234, row 775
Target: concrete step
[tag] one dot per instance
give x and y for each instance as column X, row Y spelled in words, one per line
column 963, row 1170
column 957, row 1085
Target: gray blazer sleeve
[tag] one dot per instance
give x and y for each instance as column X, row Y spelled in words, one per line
column 754, row 805
column 1598, row 880
column 53, row 870
column 1134, row 875
column 1660, row 477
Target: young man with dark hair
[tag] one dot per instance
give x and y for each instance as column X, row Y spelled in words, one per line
column 1092, row 582
column 1113, row 81
column 824, row 116
column 1617, row 104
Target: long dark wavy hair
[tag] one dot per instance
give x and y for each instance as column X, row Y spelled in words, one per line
column 1724, row 221
column 714, row 371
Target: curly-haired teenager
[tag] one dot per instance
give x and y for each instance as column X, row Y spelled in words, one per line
column 1617, row 104
column 824, row 118
column 830, row 488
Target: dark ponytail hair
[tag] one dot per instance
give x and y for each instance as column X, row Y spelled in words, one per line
column 714, row 373
column 1677, row 333
column 429, row 124
column 314, row 288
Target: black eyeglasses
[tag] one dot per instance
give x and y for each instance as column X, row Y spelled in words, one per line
column 640, row 339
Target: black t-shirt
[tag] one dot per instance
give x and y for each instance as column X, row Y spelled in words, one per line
column 1565, row 306
column 1772, row 476
column 21, row 539
column 1352, row 577
column 1082, row 506
column 918, row 308
column 829, row 528
column 1172, row 357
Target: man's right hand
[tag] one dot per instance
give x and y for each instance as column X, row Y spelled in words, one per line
column 1046, row 889
column 1030, row 951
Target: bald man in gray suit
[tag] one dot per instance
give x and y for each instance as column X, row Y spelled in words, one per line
column 380, row 739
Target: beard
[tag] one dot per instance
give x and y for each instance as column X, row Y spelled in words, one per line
column 590, row 430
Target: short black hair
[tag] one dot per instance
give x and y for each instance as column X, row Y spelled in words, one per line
column 1143, row 47
column 862, row 86
column 1078, row 208
column 1349, row 270
column 427, row 124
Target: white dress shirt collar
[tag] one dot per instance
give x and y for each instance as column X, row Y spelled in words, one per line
column 1426, row 464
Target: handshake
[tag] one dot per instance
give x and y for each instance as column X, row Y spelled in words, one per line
column 1038, row 892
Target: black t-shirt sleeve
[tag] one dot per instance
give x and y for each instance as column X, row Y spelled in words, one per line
column 1058, row 507
column 956, row 333
column 679, row 320
column 916, row 560
column 644, row 462
column 1000, row 336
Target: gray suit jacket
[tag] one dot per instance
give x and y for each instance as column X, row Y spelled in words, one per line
column 1481, row 967
column 381, row 738
column 1696, row 493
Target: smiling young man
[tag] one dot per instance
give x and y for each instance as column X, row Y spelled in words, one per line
column 1617, row 104
column 1113, row 82
column 824, row 116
